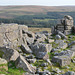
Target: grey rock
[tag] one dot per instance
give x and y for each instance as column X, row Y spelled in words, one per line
column 58, row 70
column 69, row 73
column 9, row 54
column 55, row 50
column 58, row 37
column 3, row 61
column 41, row 47
column 50, row 40
column 29, row 36
column 30, row 56
column 44, row 64
column 61, row 44
column 61, row 60
column 40, row 38
column 41, row 50
column 25, row 48
column 68, row 53
column 61, row 34
column 27, row 73
column 64, row 26
column 73, row 29
column 68, row 20
column 72, row 43
column 11, row 35
column 22, row 63
column 31, row 60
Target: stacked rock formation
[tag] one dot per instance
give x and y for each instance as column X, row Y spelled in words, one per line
column 65, row 25
column 16, row 43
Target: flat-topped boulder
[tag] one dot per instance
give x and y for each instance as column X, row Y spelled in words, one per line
column 61, row 60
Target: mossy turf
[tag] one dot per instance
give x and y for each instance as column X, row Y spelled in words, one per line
column 12, row 70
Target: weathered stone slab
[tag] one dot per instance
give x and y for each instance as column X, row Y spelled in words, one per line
column 22, row 63
column 62, row 60
column 9, row 54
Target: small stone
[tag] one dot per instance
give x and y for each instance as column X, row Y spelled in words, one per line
column 58, row 70
column 44, row 64
column 31, row 60
column 57, row 37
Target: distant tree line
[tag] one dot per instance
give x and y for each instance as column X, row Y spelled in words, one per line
column 29, row 20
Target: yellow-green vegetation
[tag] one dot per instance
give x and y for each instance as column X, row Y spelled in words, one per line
column 45, row 20
column 50, row 55
column 64, row 69
column 54, row 45
column 38, row 64
column 39, row 29
column 71, row 39
column 72, row 67
column 3, row 65
column 73, row 57
column 12, row 70
column 1, row 53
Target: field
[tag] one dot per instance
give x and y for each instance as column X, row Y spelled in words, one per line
column 39, row 29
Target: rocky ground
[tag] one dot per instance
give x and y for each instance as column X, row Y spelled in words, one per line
column 23, row 52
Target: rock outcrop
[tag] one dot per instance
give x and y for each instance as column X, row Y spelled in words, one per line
column 38, row 53
column 65, row 25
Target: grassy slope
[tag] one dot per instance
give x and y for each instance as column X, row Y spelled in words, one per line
column 39, row 29
column 14, row 11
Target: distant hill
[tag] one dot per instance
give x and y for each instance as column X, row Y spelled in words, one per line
column 14, row 11
column 35, row 16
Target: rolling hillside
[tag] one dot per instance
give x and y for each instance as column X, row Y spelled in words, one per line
column 35, row 16
column 14, row 11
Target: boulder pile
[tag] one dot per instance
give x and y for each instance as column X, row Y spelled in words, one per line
column 40, row 53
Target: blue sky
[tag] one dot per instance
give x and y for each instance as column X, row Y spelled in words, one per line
column 38, row 2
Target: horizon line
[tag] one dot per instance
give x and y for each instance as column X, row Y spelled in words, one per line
column 37, row 5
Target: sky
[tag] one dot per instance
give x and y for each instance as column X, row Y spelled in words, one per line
column 38, row 2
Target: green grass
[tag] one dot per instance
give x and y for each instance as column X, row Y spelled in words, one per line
column 38, row 64
column 71, row 39
column 41, row 20
column 39, row 29
column 1, row 54
column 64, row 68
column 12, row 70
